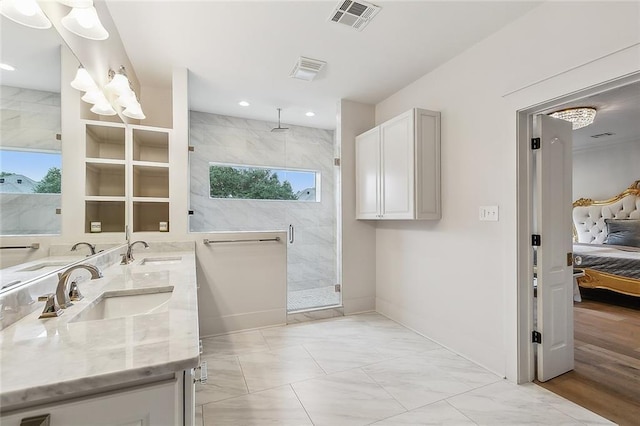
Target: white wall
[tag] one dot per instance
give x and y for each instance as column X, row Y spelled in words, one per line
column 455, row 280
column 358, row 237
column 603, row 172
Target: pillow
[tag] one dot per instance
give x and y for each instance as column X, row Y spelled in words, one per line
column 623, row 232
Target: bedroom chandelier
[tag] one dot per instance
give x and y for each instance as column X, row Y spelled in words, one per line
column 580, row 116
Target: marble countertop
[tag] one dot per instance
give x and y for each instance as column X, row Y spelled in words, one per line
column 43, row 360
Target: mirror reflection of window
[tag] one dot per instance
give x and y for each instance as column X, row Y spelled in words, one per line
column 29, row 192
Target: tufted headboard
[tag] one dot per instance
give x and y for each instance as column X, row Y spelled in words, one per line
column 589, row 215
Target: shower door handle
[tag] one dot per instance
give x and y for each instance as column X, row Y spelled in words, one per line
column 291, row 234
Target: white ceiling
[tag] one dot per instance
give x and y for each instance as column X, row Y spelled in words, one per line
column 35, row 54
column 618, row 112
column 245, row 50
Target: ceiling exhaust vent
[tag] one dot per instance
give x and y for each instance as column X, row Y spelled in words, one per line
column 355, row 14
column 602, row 135
column 306, row 68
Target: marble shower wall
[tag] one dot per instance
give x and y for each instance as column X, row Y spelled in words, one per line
column 311, row 260
column 30, row 121
column 30, row 118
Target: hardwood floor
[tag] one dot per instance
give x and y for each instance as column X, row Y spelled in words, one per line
column 606, row 379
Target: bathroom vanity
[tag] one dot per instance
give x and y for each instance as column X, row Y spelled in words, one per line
column 123, row 355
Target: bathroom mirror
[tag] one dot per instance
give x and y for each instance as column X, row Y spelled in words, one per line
column 31, row 153
column 30, row 147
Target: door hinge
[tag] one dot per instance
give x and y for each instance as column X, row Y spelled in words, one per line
column 535, row 143
column 338, row 288
column 58, row 136
column 536, row 337
column 192, row 148
column 336, row 162
column 190, row 212
column 535, row 240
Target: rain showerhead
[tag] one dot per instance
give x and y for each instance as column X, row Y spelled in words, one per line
column 280, row 129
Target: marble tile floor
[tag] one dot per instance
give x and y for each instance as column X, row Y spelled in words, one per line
column 361, row 370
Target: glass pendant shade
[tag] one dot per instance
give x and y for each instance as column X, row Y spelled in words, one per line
column 93, row 96
column 134, row 111
column 127, row 100
column 579, row 117
column 103, row 108
column 25, row 12
column 119, row 85
column 83, row 81
column 84, row 22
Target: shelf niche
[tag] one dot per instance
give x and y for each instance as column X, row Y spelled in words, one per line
column 105, row 142
column 150, row 182
column 148, row 215
column 150, row 146
column 105, row 180
column 111, row 214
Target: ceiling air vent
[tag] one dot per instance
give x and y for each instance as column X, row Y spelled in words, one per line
column 602, row 135
column 306, row 68
column 355, row 14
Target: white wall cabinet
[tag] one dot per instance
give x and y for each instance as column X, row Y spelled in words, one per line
column 398, row 168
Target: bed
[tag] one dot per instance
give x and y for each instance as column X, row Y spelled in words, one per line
column 607, row 242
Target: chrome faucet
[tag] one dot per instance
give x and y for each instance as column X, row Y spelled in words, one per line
column 61, row 291
column 91, row 247
column 127, row 258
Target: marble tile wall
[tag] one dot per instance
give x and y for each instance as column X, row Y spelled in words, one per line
column 28, row 214
column 30, row 118
column 311, row 259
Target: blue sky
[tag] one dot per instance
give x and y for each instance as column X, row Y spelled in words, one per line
column 298, row 180
column 34, row 165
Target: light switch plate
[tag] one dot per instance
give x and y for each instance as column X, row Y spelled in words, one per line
column 489, row 213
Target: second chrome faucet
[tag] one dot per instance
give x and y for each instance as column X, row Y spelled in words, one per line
column 127, row 258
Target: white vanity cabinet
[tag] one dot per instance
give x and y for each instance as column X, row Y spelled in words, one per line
column 398, row 168
column 157, row 404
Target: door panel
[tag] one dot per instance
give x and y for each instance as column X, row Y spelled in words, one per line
column 367, row 174
column 397, row 163
column 554, row 275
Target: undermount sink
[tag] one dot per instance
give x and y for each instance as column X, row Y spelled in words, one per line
column 127, row 303
column 44, row 265
column 160, row 260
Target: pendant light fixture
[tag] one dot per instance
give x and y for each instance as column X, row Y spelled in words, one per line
column 25, row 12
column 103, row 107
column 83, row 80
column 134, row 111
column 119, row 84
column 83, row 21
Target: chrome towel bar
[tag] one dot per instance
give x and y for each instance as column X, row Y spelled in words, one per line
column 255, row 240
column 34, row 246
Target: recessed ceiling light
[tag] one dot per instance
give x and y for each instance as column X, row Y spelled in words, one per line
column 7, row 67
column 310, row 114
column 244, row 103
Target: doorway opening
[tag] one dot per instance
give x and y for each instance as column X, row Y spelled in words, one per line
column 526, row 219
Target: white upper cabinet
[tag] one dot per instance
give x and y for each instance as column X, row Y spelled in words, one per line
column 398, row 168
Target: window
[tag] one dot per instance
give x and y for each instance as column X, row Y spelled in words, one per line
column 30, row 192
column 36, row 172
column 231, row 181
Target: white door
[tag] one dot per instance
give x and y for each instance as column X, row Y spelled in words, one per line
column 554, row 261
column 396, row 146
column 368, row 174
